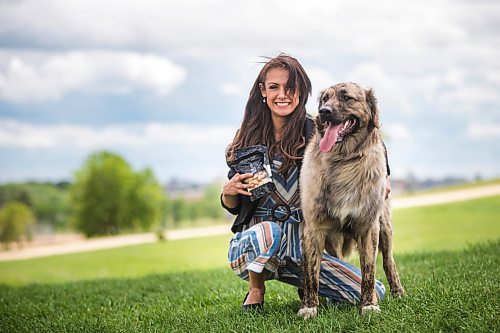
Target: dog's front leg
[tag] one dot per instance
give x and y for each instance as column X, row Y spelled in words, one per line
column 313, row 246
column 368, row 246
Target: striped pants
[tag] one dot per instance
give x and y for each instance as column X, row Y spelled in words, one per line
column 257, row 248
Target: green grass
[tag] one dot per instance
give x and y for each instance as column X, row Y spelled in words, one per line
column 446, row 227
column 130, row 261
column 187, row 286
column 433, row 228
column 446, row 292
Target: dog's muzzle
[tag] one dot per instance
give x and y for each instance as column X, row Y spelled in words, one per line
column 325, row 113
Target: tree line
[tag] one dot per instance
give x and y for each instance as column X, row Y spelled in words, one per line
column 106, row 197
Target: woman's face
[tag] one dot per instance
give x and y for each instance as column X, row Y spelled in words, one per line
column 275, row 92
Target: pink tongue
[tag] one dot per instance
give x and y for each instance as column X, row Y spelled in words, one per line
column 329, row 139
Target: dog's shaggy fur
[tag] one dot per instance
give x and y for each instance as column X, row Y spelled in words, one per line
column 343, row 182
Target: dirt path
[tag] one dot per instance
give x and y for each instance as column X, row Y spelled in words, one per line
column 77, row 243
column 446, row 197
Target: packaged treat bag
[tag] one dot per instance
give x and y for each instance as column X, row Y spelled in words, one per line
column 254, row 160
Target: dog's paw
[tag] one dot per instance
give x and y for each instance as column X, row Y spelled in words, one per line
column 307, row 313
column 399, row 293
column 370, row 309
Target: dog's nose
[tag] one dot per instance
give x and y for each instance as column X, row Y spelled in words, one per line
column 325, row 111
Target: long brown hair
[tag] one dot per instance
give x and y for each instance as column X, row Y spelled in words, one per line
column 257, row 126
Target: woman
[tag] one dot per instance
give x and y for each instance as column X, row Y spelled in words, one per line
column 268, row 232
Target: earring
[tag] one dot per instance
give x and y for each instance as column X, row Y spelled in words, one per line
column 264, row 100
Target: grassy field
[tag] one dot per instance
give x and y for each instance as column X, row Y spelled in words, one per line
column 433, row 228
column 186, row 286
column 130, row 261
column 446, row 292
column 446, row 227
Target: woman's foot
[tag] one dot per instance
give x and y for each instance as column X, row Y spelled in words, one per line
column 257, row 288
column 254, row 299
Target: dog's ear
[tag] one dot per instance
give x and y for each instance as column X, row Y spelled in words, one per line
column 371, row 100
column 321, row 95
column 319, row 125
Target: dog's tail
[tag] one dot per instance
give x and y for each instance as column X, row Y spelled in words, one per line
column 339, row 245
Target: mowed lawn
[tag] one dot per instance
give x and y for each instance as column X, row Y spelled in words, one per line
column 186, row 286
column 446, row 227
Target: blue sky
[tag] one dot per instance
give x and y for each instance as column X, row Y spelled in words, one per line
column 164, row 83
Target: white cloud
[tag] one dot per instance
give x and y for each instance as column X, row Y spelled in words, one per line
column 374, row 75
column 396, row 131
column 193, row 152
column 16, row 134
column 212, row 25
column 232, row 89
column 390, row 87
column 48, row 76
column 320, row 78
column 426, row 60
column 483, row 131
column 403, row 49
column 468, row 98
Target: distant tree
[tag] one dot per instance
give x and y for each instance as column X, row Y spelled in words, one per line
column 109, row 198
column 14, row 192
column 64, row 185
column 166, row 212
column 50, row 204
column 16, row 220
column 48, row 201
column 146, row 199
column 208, row 206
column 211, row 202
column 180, row 211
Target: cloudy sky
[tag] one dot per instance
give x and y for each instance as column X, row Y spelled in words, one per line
column 164, row 83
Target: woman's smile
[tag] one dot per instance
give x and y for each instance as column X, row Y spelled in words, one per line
column 282, row 104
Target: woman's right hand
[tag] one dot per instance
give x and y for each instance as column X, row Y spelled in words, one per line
column 236, row 186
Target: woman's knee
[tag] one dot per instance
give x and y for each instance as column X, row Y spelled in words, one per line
column 271, row 232
column 275, row 228
column 266, row 236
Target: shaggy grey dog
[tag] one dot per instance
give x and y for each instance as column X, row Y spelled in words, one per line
column 343, row 181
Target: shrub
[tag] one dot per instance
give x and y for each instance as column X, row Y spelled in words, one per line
column 16, row 220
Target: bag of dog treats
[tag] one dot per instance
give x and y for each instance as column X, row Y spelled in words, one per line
column 254, row 160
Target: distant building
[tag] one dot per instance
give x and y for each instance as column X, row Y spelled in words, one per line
column 177, row 188
column 411, row 183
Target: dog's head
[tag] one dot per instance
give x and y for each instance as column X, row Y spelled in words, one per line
column 347, row 113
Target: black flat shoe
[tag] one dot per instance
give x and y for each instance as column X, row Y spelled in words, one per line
column 254, row 306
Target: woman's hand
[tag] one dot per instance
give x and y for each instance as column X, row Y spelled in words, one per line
column 236, row 186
